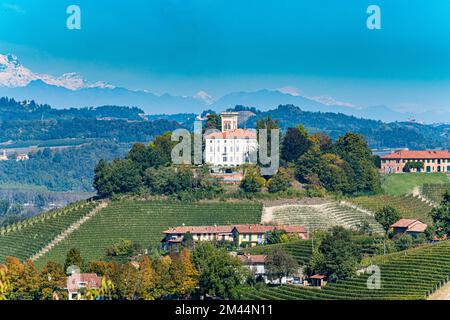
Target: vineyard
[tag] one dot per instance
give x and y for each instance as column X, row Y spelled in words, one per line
column 413, row 274
column 27, row 237
column 323, row 216
column 408, row 206
column 435, row 191
column 144, row 222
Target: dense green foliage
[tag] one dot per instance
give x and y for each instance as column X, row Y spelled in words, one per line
column 441, row 217
column 70, row 169
column 221, row 274
column 336, row 256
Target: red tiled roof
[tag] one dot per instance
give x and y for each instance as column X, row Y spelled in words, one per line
column 294, row 229
column 252, row 258
column 236, row 133
column 259, row 228
column 318, row 276
column 199, row 229
column 419, row 154
column 241, row 228
column 91, row 279
column 253, row 228
column 412, row 225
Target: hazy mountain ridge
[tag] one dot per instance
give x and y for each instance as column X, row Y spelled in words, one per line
column 71, row 90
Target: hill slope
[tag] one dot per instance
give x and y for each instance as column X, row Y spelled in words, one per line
column 413, row 274
column 144, row 222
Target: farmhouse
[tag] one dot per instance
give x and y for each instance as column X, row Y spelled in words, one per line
column 78, row 283
column 253, row 234
column 244, row 234
column 433, row 161
column 410, row 226
column 231, row 147
column 255, row 263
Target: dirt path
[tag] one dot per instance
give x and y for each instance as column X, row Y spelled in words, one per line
column 442, row 294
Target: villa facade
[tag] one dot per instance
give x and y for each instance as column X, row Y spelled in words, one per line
column 232, row 146
column 433, row 160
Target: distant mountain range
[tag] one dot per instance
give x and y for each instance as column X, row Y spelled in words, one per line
column 72, row 91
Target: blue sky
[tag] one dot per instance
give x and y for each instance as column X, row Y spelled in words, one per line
column 321, row 47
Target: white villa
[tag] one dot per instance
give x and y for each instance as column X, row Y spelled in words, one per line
column 231, row 147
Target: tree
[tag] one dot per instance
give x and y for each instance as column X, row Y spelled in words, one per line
column 281, row 181
column 354, row 150
column 73, row 259
column 220, row 275
column 183, row 273
column 277, row 236
column 213, row 121
column 387, row 216
column 121, row 176
column 280, row 264
column 336, row 255
column 295, row 143
column 252, row 181
column 441, row 217
column 417, row 165
column 52, row 281
column 5, row 284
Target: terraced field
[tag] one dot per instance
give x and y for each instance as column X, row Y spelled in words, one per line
column 408, row 206
column 413, row 274
column 25, row 238
column 435, row 191
column 323, row 216
column 300, row 250
column 144, row 221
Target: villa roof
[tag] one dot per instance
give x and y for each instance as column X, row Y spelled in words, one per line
column 236, row 133
column 419, row 154
column 259, row 228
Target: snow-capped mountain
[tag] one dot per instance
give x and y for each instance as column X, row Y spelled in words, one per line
column 13, row 74
column 72, row 90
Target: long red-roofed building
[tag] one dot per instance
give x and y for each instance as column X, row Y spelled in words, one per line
column 433, row 160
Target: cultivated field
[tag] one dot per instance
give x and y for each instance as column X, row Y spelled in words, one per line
column 401, row 184
column 408, row 206
column 24, row 239
column 322, row 216
column 435, row 191
column 144, row 222
column 413, row 274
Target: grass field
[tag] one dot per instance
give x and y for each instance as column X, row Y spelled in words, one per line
column 144, row 222
column 412, row 274
column 400, row 184
column 408, row 206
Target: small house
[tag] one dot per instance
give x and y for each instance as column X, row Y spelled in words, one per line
column 79, row 283
column 318, row 280
column 409, row 226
